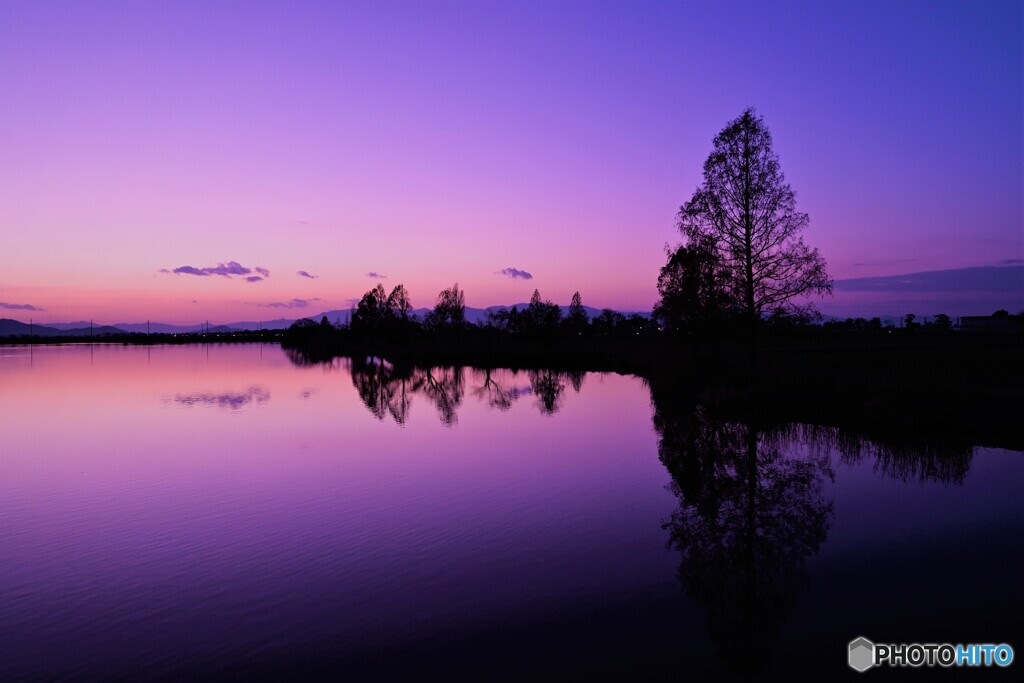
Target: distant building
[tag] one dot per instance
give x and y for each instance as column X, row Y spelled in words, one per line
column 996, row 324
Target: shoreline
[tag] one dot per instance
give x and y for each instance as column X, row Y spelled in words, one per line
column 950, row 387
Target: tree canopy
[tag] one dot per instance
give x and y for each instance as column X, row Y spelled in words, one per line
column 746, row 211
column 449, row 311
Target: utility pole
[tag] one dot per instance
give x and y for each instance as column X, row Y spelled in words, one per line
column 30, row 329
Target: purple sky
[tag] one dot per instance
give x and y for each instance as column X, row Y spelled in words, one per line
column 439, row 142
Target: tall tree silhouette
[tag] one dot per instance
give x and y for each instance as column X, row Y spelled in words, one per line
column 542, row 316
column 370, row 311
column 576, row 321
column 450, row 310
column 398, row 304
column 748, row 210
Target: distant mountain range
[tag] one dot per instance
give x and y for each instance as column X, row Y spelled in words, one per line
column 14, row 328
column 10, row 327
column 957, row 292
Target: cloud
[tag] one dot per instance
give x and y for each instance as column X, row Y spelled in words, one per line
column 223, row 269
column 375, row 276
column 982, row 279
column 188, row 270
column 228, row 269
column 20, row 307
column 304, row 273
column 195, row 301
column 1011, row 262
column 885, row 262
column 515, row 274
column 254, row 278
column 294, row 303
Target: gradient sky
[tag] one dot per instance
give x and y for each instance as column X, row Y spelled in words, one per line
column 438, row 142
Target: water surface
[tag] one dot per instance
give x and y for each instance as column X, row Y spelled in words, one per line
column 215, row 511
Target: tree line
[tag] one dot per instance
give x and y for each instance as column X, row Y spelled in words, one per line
column 383, row 315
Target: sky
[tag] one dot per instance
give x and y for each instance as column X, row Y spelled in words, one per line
column 505, row 147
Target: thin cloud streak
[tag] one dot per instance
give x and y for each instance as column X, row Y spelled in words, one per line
column 1009, row 279
column 20, row 307
column 375, row 276
column 307, row 274
column 294, row 303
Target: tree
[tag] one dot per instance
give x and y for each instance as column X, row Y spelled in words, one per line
column 542, row 316
column 398, row 304
column 694, row 289
column 370, row 311
column 608, row 323
column 942, row 322
column 748, row 211
column 577, row 319
column 450, row 310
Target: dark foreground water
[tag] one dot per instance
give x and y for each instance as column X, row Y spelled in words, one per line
column 223, row 512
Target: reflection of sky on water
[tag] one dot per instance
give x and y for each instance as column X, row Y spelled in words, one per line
column 296, row 532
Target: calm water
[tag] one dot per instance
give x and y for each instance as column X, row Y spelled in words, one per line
column 223, row 511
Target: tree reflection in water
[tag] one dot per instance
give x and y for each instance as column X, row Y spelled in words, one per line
column 383, row 390
column 547, row 386
column 749, row 515
column 387, row 389
column 753, row 508
column 444, row 387
column 494, row 391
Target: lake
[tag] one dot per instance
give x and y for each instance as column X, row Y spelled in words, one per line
column 231, row 511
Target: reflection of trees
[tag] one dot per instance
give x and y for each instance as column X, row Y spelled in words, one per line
column 749, row 516
column 753, row 508
column 575, row 378
column 445, row 389
column 387, row 389
column 913, row 455
column 494, row 391
column 307, row 359
column 382, row 388
column 548, row 387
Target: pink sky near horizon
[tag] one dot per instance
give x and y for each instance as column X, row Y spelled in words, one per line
column 443, row 142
